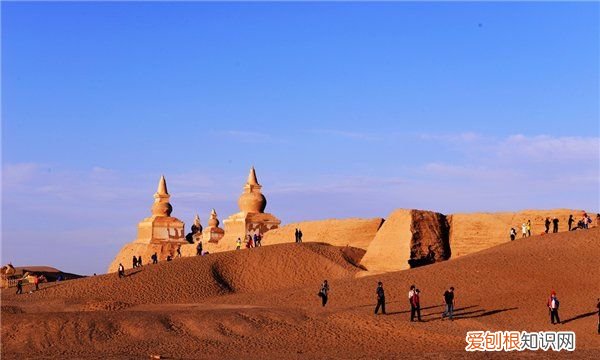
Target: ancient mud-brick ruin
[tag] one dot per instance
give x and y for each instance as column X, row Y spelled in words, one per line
column 252, row 218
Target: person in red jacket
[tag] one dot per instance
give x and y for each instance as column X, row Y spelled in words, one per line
column 416, row 306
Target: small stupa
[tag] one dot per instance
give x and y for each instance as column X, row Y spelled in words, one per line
column 160, row 227
column 252, row 218
column 213, row 233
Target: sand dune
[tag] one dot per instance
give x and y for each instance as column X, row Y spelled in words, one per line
column 262, row 303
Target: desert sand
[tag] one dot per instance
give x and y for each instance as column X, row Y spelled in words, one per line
column 262, row 304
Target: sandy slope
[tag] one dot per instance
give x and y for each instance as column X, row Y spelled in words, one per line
column 262, row 303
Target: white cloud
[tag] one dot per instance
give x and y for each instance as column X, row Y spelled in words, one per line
column 365, row 136
column 546, row 148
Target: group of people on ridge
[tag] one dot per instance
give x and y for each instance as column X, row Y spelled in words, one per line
column 251, row 241
column 583, row 223
column 298, row 235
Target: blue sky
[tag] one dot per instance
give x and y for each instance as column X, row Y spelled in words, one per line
column 345, row 109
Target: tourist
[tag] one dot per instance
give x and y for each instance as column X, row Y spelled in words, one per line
column 323, row 293
column 528, row 227
column 570, row 222
column 20, row 287
column 523, row 230
column 199, row 248
column 300, row 235
column 597, row 219
column 140, row 261
column 238, row 244
column 588, row 221
column 36, row 282
column 169, row 258
column 598, row 307
column 380, row 298
column 513, row 234
column 121, row 270
column 256, row 240
column 416, row 305
column 553, row 304
column 555, row 225
column 134, row 262
column 449, row 300
column 411, row 292
column 296, row 235
column 179, row 251
column 154, row 258
column 547, row 224
column 249, row 243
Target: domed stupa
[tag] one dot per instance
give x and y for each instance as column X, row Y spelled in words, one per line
column 252, row 218
column 160, row 227
column 213, row 233
column 252, row 200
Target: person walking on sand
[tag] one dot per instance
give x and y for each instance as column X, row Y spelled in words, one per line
column 36, row 282
column 256, row 240
column 154, row 258
column 449, row 300
column 296, row 234
column 121, row 270
column 411, row 293
column 299, row 235
column 179, row 251
column 238, row 244
column 140, row 261
column 199, row 248
column 416, row 305
column 553, row 305
column 547, row 224
column 570, row 221
column 323, row 293
column 380, row 298
column 555, row 225
column 513, row 234
column 134, row 262
column 598, row 307
column 20, row 287
column 523, row 230
column 528, row 228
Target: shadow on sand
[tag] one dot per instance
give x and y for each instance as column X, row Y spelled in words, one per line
column 482, row 314
column 580, row 316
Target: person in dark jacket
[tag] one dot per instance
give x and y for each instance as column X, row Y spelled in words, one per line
column 20, row 287
column 380, row 298
column 154, row 258
column 547, row 224
column 449, row 301
column 553, row 304
column 555, row 225
column 134, row 261
column 415, row 306
column 199, row 248
column 570, row 222
column 323, row 293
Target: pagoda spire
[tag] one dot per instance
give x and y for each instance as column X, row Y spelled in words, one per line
column 252, row 180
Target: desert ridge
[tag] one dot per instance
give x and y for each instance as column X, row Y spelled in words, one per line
column 211, row 306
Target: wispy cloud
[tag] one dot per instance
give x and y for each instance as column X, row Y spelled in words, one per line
column 248, row 136
column 354, row 135
column 465, row 137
